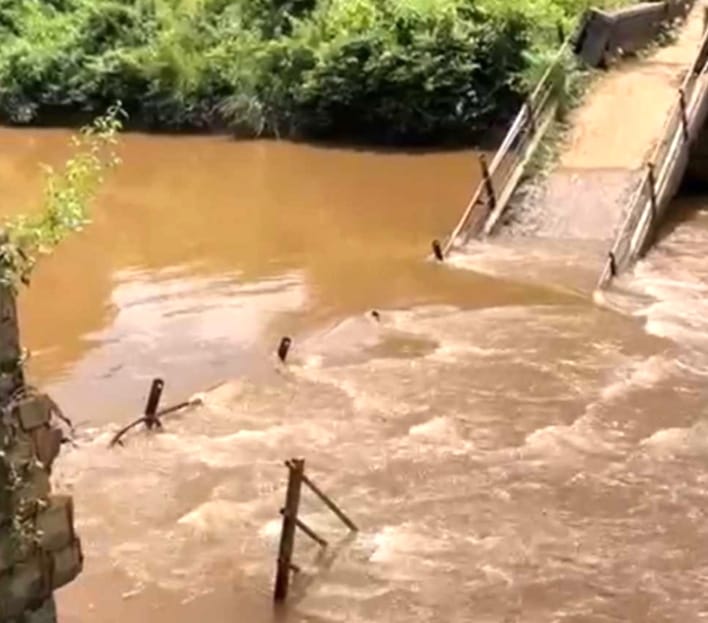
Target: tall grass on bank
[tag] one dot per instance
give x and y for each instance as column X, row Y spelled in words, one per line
column 386, row 71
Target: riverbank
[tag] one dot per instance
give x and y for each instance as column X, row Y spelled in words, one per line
column 393, row 72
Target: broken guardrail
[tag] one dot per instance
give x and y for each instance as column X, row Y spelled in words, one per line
column 663, row 172
column 152, row 415
column 499, row 179
column 291, row 523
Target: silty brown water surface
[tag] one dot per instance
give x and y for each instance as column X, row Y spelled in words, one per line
column 510, row 451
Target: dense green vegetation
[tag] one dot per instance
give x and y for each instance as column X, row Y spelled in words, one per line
column 377, row 70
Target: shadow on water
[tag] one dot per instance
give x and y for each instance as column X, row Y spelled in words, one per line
column 487, row 139
column 689, row 202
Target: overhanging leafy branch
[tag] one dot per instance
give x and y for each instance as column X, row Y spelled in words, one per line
column 67, row 194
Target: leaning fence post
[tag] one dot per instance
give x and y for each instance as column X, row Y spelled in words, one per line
column 488, row 186
column 153, row 402
column 652, row 190
column 296, row 471
column 684, row 116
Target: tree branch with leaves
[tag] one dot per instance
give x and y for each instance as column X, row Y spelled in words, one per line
column 67, row 194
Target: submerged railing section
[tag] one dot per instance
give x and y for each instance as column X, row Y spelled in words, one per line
column 663, row 171
column 500, row 178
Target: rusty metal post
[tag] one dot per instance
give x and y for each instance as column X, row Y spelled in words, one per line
column 486, row 176
column 652, row 190
column 153, row 402
column 684, row 115
column 296, row 469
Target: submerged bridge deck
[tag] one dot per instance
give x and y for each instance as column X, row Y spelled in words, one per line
column 625, row 155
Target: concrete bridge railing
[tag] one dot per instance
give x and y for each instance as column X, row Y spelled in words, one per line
column 500, row 178
column 604, row 35
column 599, row 35
column 664, row 171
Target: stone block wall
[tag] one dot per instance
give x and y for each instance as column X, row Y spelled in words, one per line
column 39, row 550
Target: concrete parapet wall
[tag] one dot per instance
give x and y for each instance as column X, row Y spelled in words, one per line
column 605, row 35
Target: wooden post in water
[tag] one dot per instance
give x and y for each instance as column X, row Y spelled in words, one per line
column 153, row 402
column 296, row 473
column 488, row 186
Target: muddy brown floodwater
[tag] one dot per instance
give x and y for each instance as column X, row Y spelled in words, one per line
column 511, row 452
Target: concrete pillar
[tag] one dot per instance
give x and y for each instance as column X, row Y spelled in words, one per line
column 39, row 551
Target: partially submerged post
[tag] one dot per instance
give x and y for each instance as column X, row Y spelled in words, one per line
column 437, row 251
column 296, row 478
column 153, row 402
column 296, row 470
column 284, row 348
column 153, row 414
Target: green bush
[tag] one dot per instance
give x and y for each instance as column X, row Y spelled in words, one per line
column 373, row 70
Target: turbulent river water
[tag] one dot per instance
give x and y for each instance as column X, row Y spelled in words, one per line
column 511, row 451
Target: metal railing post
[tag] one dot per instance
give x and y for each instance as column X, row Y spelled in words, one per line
column 488, row 186
column 296, row 470
column 153, row 402
column 684, row 115
column 652, row 190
